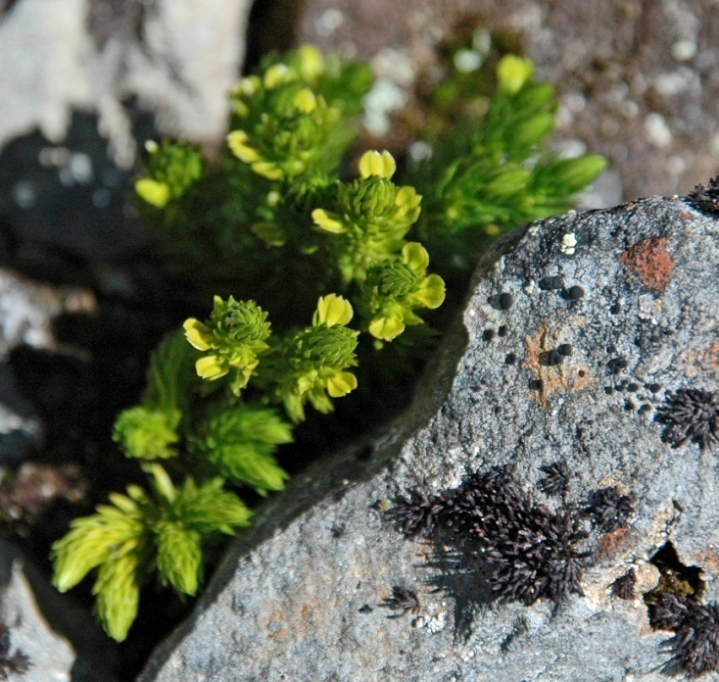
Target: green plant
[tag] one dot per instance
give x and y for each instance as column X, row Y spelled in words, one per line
column 271, row 230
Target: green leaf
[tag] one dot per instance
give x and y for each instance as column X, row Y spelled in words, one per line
column 118, row 594
column 145, row 434
column 179, row 556
column 169, row 377
column 209, row 509
column 94, row 540
column 239, row 442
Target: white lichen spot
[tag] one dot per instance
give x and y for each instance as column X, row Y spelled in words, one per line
column 534, row 230
column 434, row 623
column 657, row 130
column 531, row 287
column 569, row 243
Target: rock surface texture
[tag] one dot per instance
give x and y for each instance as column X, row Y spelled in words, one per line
column 566, row 383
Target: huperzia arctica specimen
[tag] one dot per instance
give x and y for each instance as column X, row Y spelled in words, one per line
column 273, row 231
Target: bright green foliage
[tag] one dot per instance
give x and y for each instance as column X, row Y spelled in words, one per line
column 494, row 176
column 172, row 168
column 136, row 534
column 269, row 229
column 239, row 442
column 150, row 430
column 146, row 434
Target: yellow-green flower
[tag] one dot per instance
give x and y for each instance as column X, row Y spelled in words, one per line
column 312, row 63
column 407, row 204
column 305, row 101
column 513, row 72
column 328, row 221
column 277, row 75
column 393, row 290
column 237, row 142
column 153, row 192
column 317, row 359
column 374, row 163
column 232, row 341
column 332, row 310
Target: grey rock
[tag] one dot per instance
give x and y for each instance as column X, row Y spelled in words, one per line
column 299, row 596
column 178, row 57
column 59, row 638
column 20, row 427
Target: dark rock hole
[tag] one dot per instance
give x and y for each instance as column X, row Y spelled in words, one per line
column 676, row 579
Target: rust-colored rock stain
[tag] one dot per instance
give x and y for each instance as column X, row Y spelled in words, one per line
column 568, row 377
column 649, row 260
column 614, row 542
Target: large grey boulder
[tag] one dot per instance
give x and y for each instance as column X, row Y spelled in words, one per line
column 634, row 291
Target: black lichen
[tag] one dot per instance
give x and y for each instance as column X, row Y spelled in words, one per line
column 403, row 599
column 505, row 301
column 690, row 414
column 609, row 509
column 565, row 349
column 418, row 513
column 695, row 645
column 18, row 663
column 574, row 293
column 555, row 482
column 623, row 586
column 551, row 283
column 706, row 198
column 616, row 365
column 531, row 552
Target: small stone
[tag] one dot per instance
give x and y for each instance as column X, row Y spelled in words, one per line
column 575, row 293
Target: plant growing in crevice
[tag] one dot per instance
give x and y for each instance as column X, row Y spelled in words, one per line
column 293, row 251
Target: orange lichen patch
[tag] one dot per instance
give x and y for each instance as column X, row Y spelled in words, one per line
column 614, row 542
column 569, row 377
column 649, row 261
